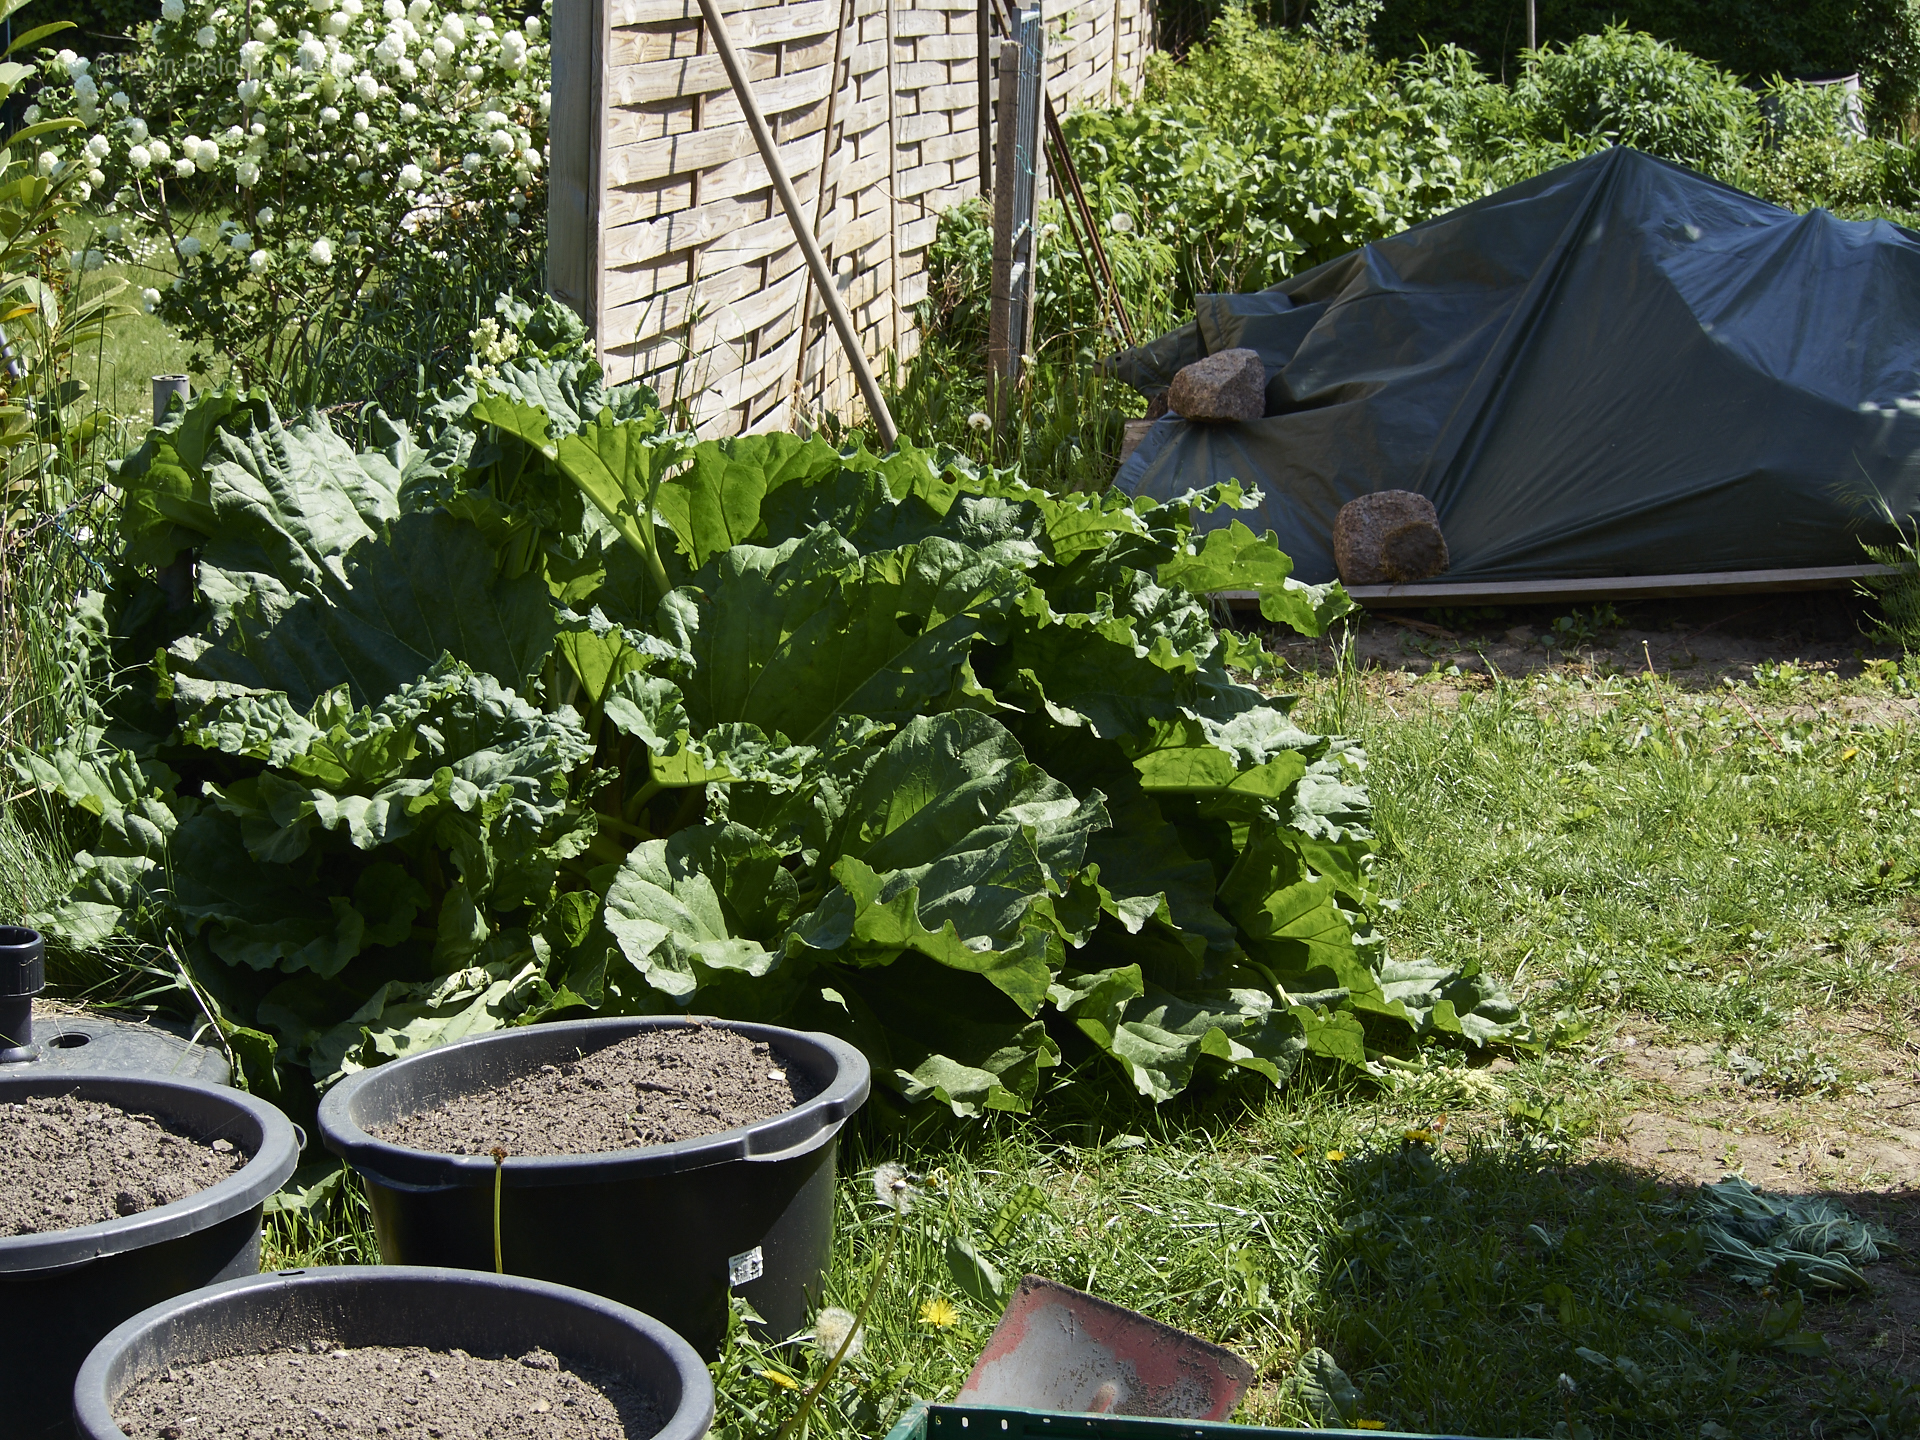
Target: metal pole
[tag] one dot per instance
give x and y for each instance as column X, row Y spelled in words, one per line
column 1533, row 42
column 986, row 102
column 790, row 202
column 165, row 387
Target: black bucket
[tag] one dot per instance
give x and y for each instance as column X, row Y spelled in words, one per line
column 355, row 1305
column 668, row 1229
column 64, row 1289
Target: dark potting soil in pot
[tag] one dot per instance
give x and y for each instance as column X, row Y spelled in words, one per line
column 678, row 1083
column 66, row 1162
column 318, row 1390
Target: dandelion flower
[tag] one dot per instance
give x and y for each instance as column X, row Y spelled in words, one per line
column 1334, row 1157
column 785, row 1382
column 835, row 1333
column 1418, row 1136
column 939, row 1313
column 1567, row 1387
column 1047, row 232
column 979, row 420
column 1121, row 223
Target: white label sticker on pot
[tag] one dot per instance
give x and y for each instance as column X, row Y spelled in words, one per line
column 742, row 1268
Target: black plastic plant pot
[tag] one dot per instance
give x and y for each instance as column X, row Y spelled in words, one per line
column 63, row 1289
column 23, row 975
column 668, row 1229
column 399, row 1306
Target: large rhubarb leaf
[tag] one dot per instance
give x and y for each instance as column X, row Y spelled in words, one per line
column 375, row 619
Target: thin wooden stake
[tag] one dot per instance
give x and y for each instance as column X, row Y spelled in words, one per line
column 796, row 218
column 820, row 190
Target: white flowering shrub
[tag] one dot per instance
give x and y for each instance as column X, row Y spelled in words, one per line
column 359, row 155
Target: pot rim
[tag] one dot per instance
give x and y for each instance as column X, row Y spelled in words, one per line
column 275, row 1154
column 805, row 1127
column 93, row 1411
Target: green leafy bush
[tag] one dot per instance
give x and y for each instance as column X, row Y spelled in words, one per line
column 1754, row 40
column 1271, row 191
column 369, row 164
column 548, row 709
column 1631, row 89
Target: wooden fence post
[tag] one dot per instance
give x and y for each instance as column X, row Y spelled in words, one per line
column 1015, row 195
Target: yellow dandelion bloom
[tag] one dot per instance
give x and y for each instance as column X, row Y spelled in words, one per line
column 1334, row 1157
column 1419, row 1137
column 1298, row 1151
column 939, row 1313
column 1371, row 1424
column 785, row 1382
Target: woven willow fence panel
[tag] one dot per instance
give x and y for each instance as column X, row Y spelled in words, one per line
column 666, row 235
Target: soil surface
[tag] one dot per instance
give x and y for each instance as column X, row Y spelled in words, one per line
column 1693, row 643
column 657, row 1087
column 66, row 1162
column 318, row 1389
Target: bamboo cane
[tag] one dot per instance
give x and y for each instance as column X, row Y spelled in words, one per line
column 796, row 218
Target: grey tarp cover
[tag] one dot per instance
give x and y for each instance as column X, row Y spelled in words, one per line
column 1616, row 368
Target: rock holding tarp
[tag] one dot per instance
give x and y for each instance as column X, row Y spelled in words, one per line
column 1229, row 385
column 1391, row 537
column 1615, row 368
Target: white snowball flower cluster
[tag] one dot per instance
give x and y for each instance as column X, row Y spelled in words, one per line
column 368, row 124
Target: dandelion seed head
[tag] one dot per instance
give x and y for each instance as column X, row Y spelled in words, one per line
column 893, row 1187
column 833, row 1328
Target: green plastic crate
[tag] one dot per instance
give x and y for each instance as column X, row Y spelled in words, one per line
column 979, row 1422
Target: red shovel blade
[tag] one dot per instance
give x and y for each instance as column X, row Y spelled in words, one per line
column 1058, row 1349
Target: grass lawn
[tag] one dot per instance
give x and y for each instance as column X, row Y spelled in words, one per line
column 120, row 369
column 1716, row 877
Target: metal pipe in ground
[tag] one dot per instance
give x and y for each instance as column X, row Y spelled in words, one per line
column 796, row 218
